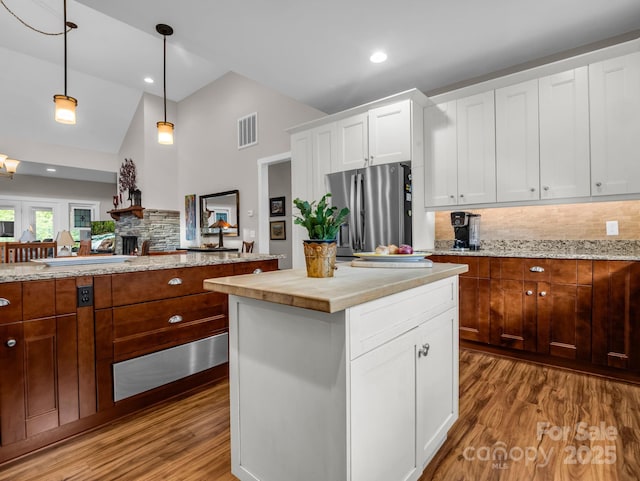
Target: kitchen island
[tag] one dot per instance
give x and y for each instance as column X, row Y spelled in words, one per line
column 81, row 345
column 350, row 378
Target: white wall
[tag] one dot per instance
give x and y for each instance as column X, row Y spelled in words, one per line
column 156, row 165
column 208, row 156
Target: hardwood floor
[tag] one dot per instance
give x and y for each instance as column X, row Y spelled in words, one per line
column 501, row 403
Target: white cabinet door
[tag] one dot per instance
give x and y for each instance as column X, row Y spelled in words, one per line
column 476, row 140
column 325, row 150
column 517, row 147
column 436, row 382
column 301, row 164
column 614, row 94
column 353, row 143
column 390, row 133
column 564, row 135
column 441, row 155
column 383, row 412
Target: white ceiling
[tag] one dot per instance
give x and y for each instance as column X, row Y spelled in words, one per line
column 315, row 52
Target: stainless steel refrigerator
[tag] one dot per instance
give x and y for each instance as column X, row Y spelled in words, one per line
column 379, row 200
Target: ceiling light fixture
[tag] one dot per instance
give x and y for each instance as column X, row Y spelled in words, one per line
column 165, row 129
column 9, row 165
column 378, row 57
column 65, row 105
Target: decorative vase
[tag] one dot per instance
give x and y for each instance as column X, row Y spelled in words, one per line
column 320, row 257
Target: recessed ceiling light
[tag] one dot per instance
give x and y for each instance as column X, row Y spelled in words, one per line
column 50, row 169
column 148, row 80
column 378, row 57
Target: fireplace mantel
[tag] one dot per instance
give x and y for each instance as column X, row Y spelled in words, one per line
column 133, row 210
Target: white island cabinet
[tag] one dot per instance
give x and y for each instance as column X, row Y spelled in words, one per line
column 351, row 378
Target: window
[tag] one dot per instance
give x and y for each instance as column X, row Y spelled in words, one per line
column 7, row 224
column 42, row 223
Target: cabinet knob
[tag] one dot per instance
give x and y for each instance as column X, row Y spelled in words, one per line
column 452, row 196
column 529, row 293
column 4, row 302
column 11, row 342
column 546, row 187
column 461, row 195
column 424, row 351
column 536, row 269
column 257, row 271
column 532, row 189
column 175, row 319
column 598, row 184
column 543, row 294
column 176, row 281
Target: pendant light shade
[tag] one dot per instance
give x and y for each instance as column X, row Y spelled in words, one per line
column 65, row 112
column 165, row 133
column 65, row 109
column 165, row 129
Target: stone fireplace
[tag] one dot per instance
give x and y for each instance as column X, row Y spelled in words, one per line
column 160, row 227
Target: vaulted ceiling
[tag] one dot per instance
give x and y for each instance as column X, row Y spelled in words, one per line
column 315, row 52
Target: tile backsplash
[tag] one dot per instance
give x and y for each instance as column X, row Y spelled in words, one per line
column 564, row 222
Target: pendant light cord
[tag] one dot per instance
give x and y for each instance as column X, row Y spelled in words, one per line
column 164, row 76
column 67, row 29
column 65, row 48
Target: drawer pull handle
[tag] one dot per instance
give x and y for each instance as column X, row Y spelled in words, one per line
column 257, row 271
column 543, row 294
column 4, row 302
column 175, row 319
column 529, row 293
column 424, row 351
column 537, row 269
column 11, row 342
column 176, row 281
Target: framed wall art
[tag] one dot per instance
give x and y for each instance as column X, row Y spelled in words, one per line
column 277, row 230
column 276, row 206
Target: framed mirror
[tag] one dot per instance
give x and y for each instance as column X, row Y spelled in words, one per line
column 220, row 211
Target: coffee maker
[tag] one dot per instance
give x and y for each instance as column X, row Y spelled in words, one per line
column 466, row 229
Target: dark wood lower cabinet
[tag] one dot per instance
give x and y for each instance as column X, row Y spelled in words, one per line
column 581, row 314
column 615, row 321
column 56, row 358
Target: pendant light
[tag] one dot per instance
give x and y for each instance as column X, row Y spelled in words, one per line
column 165, row 129
column 65, row 105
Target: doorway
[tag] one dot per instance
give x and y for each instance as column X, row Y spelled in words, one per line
column 274, row 182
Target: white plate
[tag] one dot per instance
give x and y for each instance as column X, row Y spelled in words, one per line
column 372, row 256
column 79, row 260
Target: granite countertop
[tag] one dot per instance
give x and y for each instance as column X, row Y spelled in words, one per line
column 349, row 287
column 29, row 271
column 549, row 249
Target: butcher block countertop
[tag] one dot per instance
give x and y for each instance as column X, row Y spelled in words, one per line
column 349, row 287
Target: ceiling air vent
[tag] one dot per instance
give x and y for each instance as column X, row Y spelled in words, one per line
column 248, row 130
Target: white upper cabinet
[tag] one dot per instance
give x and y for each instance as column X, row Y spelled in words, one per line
column 390, row 133
column 614, row 93
column 564, row 135
column 441, row 155
column 517, row 146
column 476, row 149
column 324, row 143
column 380, row 136
column 353, row 143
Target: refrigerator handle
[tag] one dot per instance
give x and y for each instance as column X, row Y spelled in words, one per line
column 353, row 233
column 359, row 210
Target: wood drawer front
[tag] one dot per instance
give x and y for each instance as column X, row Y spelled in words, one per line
column 145, row 328
column 136, row 287
column 12, row 312
column 249, row 267
column 376, row 322
column 39, row 299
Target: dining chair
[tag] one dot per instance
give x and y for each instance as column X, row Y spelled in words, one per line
column 25, row 251
column 247, row 246
column 85, row 248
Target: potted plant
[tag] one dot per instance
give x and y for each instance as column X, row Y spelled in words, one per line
column 322, row 223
